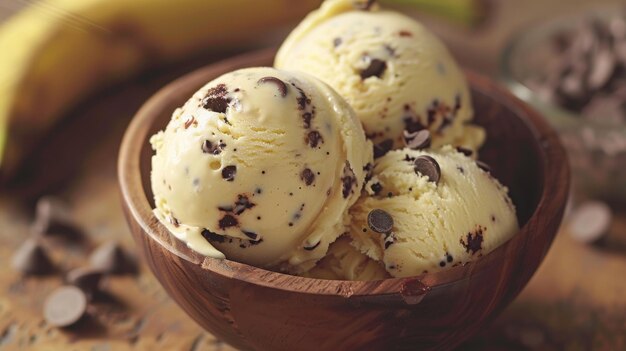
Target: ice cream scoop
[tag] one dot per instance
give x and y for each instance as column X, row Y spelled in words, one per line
column 260, row 166
column 429, row 210
column 344, row 262
column 395, row 73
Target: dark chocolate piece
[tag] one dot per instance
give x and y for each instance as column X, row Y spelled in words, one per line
column 228, row 221
column 211, row 236
column 307, row 176
column 380, row 221
column 65, row 306
column 85, row 278
column 216, row 99
column 473, row 241
column 428, row 166
column 110, row 258
column 382, row 148
column 282, row 87
column 417, row 140
column 376, row 68
column 229, row 172
column 31, row 258
column 313, row 138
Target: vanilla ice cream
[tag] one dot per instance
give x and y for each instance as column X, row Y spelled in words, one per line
column 260, row 166
column 428, row 210
column 395, row 73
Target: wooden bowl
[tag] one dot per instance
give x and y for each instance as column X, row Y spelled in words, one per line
column 255, row 309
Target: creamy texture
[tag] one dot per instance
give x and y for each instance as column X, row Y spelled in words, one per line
column 463, row 217
column 260, row 165
column 344, row 262
column 393, row 72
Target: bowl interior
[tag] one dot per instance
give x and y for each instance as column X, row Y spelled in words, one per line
column 519, row 148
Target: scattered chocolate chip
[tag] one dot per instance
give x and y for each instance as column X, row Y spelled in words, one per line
column 313, row 138
column 65, row 306
column 229, row 172
column 449, row 258
column 428, row 166
column 376, row 68
column 380, row 221
column 307, row 176
column 461, row 169
column 85, row 278
column 337, row 42
column 213, row 237
column 228, row 221
column 485, row 167
column 216, row 100
column 590, row 221
column 52, row 218
column 382, row 148
column 253, row 236
column 473, row 241
column 412, row 124
column 110, row 258
column 417, row 140
column 390, row 194
column 282, row 87
column 31, row 258
column 376, row 188
column 312, row 247
column 301, row 99
column 493, row 218
column 464, row 151
column 348, row 180
column 405, row 33
column 442, row 264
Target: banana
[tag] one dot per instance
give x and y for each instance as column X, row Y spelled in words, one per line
column 56, row 52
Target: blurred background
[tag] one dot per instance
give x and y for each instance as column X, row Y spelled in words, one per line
column 73, row 73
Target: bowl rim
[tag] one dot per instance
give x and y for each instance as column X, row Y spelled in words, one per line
column 554, row 166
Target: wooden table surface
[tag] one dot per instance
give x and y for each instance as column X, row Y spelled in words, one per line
column 576, row 301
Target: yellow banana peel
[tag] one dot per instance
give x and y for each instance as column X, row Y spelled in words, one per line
column 56, row 52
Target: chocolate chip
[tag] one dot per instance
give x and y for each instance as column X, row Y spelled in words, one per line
column 376, row 68
column 110, row 258
column 449, row 258
column 31, row 258
column 313, row 138
column 65, row 306
column 428, row 166
column 464, row 151
column 380, row 221
column 376, row 188
column 312, row 247
column 461, row 169
column 282, row 87
column 211, row 236
column 301, row 99
column 216, row 100
column 382, row 148
column 348, row 180
column 228, row 221
column 442, row 264
column 590, row 221
column 473, row 241
column 485, row 167
column 337, row 42
column 307, row 176
column 253, row 236
column 412, row 124
column 212, row 148
column 53, row 218
column 85, row 278
column 405, row 33
column 229, row 172
column 417, row 140
column 243, row 203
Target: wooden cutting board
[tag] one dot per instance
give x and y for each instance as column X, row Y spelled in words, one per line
column 577, row 300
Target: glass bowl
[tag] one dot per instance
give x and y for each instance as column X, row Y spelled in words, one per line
column 596, row 146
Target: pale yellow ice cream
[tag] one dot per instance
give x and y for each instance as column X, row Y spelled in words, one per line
column 464, row 216
column 261, row 166
column 344, row 262
column 394, row 72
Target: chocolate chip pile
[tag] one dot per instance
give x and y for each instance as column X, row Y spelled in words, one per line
column 589, row 76
column 68, row 304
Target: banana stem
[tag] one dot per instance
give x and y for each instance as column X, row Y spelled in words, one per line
column 466, row 12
